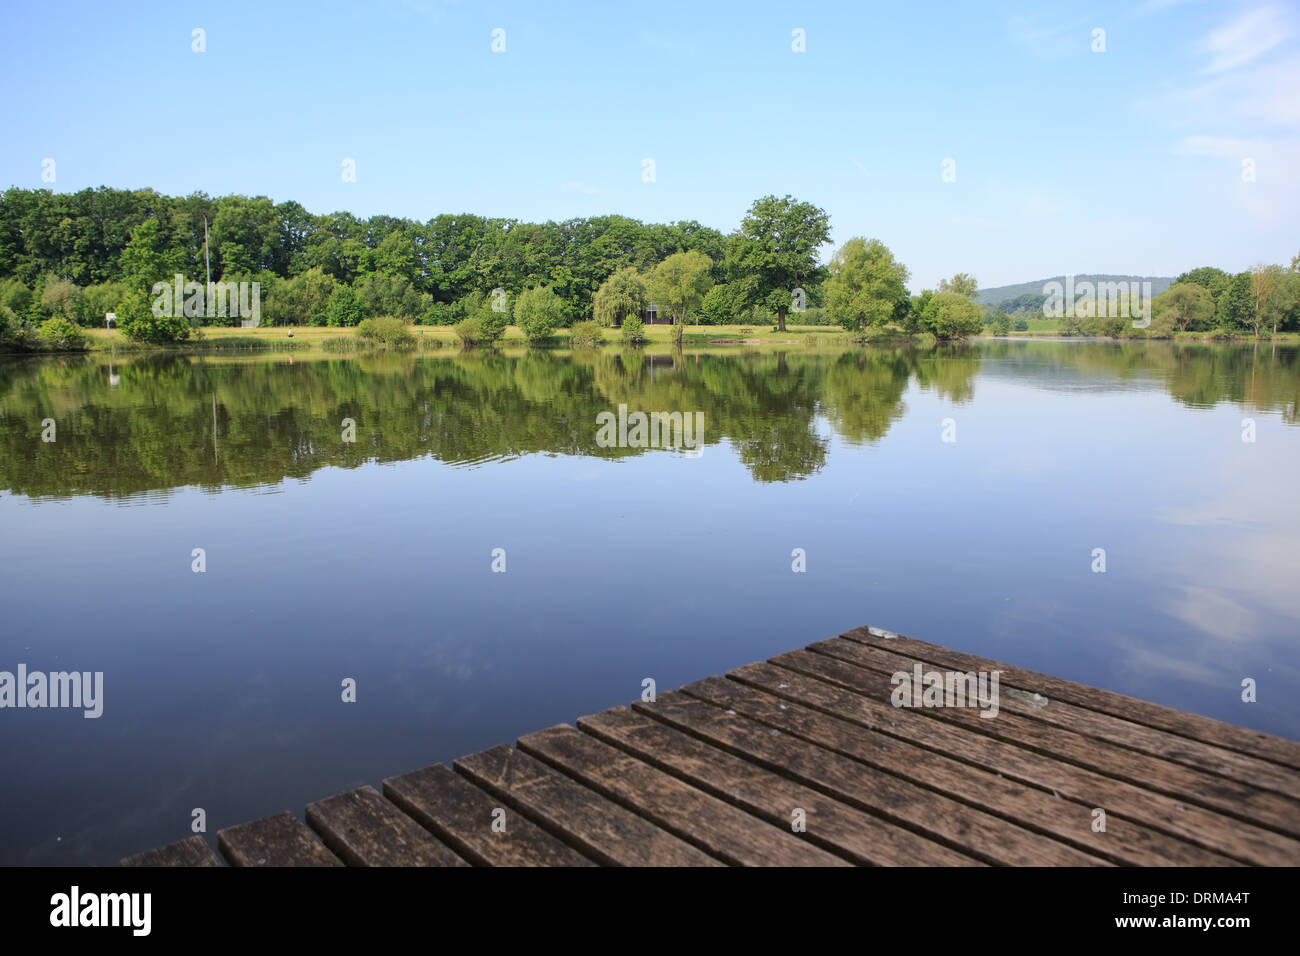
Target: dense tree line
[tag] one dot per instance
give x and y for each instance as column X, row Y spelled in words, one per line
column 1263, row 299
column 81, row 254
column 74, row 257
column 66, row 259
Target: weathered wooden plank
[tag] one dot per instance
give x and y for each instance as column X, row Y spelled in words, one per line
column 1230, row 797
column 981, row 834
column 579, row 816
column 280, row 840
column 1174, row 814
column 1123, row 841
column 364, row 829
column 461, row 815
column 717, row 827
column 1091, row 723
column 834, row 825
column 1206, row 729
column 820, row 682
column 193, row 851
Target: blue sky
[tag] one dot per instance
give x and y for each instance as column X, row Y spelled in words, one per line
column 1066, row 160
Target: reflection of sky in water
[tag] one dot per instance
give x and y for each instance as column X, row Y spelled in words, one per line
column 221, row 690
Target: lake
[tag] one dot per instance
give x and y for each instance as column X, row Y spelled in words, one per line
column 958, row 495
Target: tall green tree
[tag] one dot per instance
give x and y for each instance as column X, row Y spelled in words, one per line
column 136, row 320
column 1214, row 281
column 775, row 253
column 1185, row 305
column 1236, row 309
column 867, row 285
column 150, row 257
column 948, row 315
column 1265, row 284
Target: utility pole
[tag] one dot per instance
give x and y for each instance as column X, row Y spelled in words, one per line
column 207, row 261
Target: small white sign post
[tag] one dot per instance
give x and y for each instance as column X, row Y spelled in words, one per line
column 109, row 318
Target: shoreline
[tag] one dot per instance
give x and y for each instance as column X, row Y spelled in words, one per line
column 318, row 338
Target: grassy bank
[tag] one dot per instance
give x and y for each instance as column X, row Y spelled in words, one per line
column 343, row 340
column 321, row 337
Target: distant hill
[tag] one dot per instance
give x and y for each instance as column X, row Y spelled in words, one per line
column 1031, row 295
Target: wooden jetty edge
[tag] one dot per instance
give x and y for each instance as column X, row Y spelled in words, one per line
column 722, row 771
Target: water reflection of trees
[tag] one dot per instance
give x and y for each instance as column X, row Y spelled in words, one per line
column 1259, row 378
column 174, row 420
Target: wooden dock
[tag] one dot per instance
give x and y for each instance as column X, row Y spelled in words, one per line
column 723, row 771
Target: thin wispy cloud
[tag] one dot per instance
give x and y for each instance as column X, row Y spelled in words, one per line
column 1240, row 109
column 1247, row 38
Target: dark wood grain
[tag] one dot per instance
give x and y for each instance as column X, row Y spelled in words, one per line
column 1133, row 735
column 720, row 828
column 581, row 817
column 834, row 825
column 1049, row 757
column 1122, row 842
column 970, row 830
column 1195, row 726
column 462, row 816
column 1235, row 798
column 280, row 840
column 364, row 829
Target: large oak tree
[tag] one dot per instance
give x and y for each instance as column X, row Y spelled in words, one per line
column 775, row 253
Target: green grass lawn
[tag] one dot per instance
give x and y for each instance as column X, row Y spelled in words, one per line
column 309, row 337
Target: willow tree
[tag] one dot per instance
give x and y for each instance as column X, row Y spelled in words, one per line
column 620, row 297
column 680, row 282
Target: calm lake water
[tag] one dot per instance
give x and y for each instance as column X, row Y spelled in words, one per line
column 372, row 559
